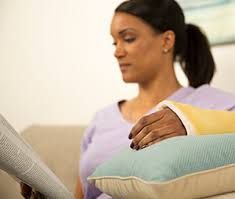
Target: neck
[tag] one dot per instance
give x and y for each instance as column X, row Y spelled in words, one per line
column 157, row 90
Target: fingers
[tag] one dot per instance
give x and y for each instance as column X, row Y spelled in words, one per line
column 147, row 134
column 156, row 127
column 38, row 195
column 161, row 139
column 26, row 190
column 156, row 134
column 151, row 137
column 145, row 121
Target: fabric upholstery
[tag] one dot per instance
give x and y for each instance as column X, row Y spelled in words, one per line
column 186, row 167
column 59, row 148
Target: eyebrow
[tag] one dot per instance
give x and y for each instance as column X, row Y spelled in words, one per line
column 125, row 30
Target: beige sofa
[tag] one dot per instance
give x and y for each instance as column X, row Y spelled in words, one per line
column 59, row 147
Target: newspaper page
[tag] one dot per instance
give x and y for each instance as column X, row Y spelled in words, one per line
column 18, row 159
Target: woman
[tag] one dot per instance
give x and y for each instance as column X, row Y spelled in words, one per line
column 149, row 36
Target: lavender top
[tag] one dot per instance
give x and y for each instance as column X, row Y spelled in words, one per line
column 108, row 132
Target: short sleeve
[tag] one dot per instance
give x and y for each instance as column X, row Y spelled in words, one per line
column 85, row 141
column 88, row 134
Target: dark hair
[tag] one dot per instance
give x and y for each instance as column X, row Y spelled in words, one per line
column 191, row 48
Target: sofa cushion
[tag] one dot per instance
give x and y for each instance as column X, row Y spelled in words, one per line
column 179, row 167
column 58, row 146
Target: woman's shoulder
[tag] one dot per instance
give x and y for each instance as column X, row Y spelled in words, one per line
column 207, row 96
column 213, row 92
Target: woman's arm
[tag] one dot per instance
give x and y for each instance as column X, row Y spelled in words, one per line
column 177, row 119
column 79, row 192
column 200, row 121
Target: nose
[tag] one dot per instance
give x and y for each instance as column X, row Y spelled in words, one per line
column 119, row 51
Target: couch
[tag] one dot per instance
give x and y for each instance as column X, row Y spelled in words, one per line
column 59, row 147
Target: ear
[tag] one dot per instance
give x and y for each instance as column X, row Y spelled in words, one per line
column 168, row 41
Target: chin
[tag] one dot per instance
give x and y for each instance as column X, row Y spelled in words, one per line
column 129, row 79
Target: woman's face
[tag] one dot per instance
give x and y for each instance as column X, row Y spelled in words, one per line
column 138, row 48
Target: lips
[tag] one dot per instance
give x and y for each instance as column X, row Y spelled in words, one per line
column 124, row 67
column 124, row 64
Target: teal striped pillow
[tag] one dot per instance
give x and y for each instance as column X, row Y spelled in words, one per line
column 176, row 166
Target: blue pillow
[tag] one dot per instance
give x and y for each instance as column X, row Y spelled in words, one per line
column 179, row 167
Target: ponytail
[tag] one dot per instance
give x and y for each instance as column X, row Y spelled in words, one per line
column 197, row 61
column 191, row 45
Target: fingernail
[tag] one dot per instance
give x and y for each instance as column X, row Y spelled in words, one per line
column 132, row 145
column 130, row 136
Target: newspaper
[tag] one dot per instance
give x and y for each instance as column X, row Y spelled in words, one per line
column 19, row 160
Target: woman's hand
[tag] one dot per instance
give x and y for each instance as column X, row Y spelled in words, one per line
column 29, row 193
column 156, row 127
